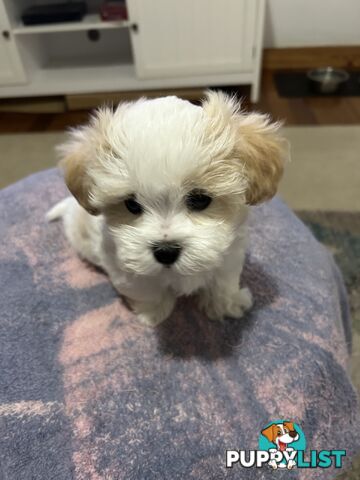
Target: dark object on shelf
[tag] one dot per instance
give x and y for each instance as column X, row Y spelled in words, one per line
column 114, row 10
column 327, row 80
column 54, row 13
column 295, row 84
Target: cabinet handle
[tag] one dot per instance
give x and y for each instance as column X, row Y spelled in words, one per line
column 135, row 27
column 6, row 34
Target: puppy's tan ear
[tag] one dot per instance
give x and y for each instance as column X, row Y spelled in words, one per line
column 250, row 141
column 79, row 157
column 74, row 167
column 270, row 433
column 263, row 153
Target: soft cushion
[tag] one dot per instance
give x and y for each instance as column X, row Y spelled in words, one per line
column 88, row 393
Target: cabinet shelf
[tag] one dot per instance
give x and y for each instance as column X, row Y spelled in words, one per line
column 164, row 44
column 90, row 21
column 73, row 78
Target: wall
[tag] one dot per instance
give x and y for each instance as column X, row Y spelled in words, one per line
column 301, row 23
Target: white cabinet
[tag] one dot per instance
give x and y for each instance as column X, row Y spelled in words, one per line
column 164, row 44
column 11, row 69
column 193, row 37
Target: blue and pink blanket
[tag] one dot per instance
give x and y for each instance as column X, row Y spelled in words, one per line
column 87, row 393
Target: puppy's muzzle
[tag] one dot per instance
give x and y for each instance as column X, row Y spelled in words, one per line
column 166, row 252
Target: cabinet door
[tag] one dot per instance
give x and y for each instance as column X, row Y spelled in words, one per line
column 11, row 70
column 192, row 37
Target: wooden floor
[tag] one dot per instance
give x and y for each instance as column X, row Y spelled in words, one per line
column 299, row 111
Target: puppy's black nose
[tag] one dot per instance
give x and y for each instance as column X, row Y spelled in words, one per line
column 166, row 252
column 292, row 433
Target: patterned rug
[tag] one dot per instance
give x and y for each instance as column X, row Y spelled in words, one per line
column 340, row 233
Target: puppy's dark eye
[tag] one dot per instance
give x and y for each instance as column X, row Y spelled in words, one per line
column 198, row 200
column 133, row 206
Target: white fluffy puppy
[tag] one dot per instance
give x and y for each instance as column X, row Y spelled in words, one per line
column 162, row 189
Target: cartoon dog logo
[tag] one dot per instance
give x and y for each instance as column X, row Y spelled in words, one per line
column 281, row 435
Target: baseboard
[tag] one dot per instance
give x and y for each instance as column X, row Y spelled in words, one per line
column 311, row 57
column 93, row 100
column 33, row 105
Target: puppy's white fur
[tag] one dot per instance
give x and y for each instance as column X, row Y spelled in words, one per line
column 159, row 151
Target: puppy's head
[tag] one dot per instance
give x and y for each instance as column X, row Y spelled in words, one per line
column 173, row 179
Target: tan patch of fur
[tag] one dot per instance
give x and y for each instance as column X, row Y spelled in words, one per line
column 77, row 180
column 263, row 155
column 249, row 149
column 117, row 214
column 220, row 177
column 82, row 153
column 225, row 207
column 221, row 181
column 222, row 208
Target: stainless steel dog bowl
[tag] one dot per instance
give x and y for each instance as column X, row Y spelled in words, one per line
column 327, row 79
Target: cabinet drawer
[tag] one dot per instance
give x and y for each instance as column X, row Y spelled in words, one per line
column 190, row 37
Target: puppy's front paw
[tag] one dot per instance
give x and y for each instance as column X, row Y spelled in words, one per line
column 239, row 303
column 152, row 314
column 151, row 318
column 233, row 303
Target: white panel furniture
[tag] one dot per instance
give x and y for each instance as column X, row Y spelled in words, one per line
column 11, row 68
column 164, row 44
